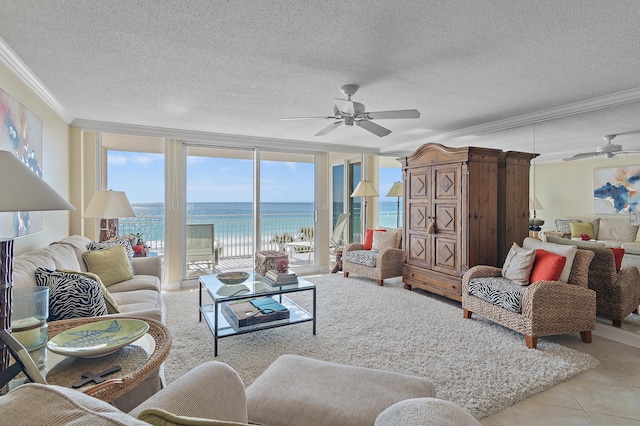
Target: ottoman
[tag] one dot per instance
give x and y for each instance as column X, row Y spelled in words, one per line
column 296, row 390
column 266, row 260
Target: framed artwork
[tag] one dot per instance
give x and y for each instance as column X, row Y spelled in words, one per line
column 21, row 134
column 616, row 190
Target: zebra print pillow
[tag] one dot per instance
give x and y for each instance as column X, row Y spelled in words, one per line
column 498, row 291
column 362, row 257
column 71, row 295
column 124, row 242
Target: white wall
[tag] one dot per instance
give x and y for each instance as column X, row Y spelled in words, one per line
column 55, row 133
column 566, row 188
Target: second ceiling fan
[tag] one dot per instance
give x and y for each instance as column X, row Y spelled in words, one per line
column 349, row 112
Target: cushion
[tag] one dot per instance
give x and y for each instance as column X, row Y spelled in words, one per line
column 393, row 237
column 498, row 291
column 362, row 257
column 160, row 417
column 563, row 225
column 569, row 251
column 378, row 237
column 579, row 228
column 71, row 295
column 120, row 241
column 112, row 305
column 618, row 254
column 547, row 266
column 617, row 229
column 36, row 404
column 517, row 266
column 368, row 239
column 111, row 264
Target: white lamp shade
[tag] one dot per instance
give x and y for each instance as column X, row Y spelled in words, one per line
column 365, row 189
column 21, row 190
column 109, row 205
column 396, row 190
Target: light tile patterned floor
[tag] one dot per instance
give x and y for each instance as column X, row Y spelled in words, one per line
column 606, row 395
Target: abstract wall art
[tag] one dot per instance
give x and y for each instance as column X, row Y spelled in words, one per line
column 616, row 190
column 21, row 134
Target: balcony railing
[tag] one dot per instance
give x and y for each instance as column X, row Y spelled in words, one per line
column 234, row 233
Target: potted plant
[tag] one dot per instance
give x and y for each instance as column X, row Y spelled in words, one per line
column 282, row 239
column 138, row 248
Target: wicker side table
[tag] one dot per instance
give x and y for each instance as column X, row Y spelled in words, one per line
column 137, row 362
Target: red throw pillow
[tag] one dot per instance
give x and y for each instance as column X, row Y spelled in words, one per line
column 618, row 254
column 547, row 266
column 368, row 239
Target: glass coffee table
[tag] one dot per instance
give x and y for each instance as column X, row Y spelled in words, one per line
column 253, row 287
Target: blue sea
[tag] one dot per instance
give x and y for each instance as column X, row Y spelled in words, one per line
column 233, row 221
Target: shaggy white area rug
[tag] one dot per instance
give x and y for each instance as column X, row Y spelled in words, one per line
column 476, row 364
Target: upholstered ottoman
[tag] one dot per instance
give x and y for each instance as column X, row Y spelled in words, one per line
column 426, row 412
column 266, row 260
column 295, row 390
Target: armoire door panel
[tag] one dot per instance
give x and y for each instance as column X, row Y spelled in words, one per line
column 418, row 251
column 446, row 218
column 419, row 184
column 446, row 182
column 418, row 217
column 446, row 257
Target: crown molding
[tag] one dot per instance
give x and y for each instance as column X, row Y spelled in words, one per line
column 13, row 62
column 592, row 104
column 220, row 139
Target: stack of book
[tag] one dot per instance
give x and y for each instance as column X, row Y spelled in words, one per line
column 279, row 279
column 249, row 313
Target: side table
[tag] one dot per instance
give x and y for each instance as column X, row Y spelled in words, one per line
column 338, row 266
column 137, row 362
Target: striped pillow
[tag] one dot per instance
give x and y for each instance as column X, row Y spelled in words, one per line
column 71, row 295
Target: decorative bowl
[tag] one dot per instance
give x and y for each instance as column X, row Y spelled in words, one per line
column 233, row 277
column 98, row 338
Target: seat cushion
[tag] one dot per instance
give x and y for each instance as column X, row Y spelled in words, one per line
column 362, row 257
column 296, row 390
column 498, row 291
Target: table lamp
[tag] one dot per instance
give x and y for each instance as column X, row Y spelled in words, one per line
column 535, row 223
column 109, row 206
column 397, row 191
column 20, row 190
column 365, row 189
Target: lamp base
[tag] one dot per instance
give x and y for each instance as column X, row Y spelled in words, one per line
column 6, row 284
column 108, row 229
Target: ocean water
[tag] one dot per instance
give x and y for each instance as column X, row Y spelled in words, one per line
column 233, row 221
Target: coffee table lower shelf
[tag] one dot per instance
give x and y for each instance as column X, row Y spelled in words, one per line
column 220, row 327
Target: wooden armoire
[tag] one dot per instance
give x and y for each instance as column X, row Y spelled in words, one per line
column 463, row 207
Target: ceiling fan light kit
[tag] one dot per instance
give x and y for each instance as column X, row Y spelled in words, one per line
column 349, row 112
column 610, row 150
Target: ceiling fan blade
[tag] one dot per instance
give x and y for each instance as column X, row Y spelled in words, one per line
column 401, row 113
column 350, row 107
column 583, row 155
column 329, row 128
column 629, row 151
column 373, row 127
column 307, row 118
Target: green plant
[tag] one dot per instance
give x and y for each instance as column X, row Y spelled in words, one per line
column 306, row 233
column 138, row 235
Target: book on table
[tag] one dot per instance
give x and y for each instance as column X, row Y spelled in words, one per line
column 280, row 278
column 250, row 312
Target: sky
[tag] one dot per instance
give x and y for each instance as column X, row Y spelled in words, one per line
column 141, row 176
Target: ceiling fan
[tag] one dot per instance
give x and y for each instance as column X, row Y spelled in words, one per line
column 610, row 150
column 349, row 112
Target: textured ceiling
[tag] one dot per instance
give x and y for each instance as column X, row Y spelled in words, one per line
column 236, row 67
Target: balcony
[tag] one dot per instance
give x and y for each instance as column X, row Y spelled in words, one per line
column 234, row 235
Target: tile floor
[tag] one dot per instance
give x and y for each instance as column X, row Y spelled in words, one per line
column 606, row 395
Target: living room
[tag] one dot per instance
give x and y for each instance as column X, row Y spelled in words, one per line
column 70, row 149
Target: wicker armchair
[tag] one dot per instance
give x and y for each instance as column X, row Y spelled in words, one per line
column 548, row 307
column 617, row 293
column 388, row 264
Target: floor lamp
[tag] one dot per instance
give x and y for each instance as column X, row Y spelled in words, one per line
column 108, row 206
column 21, row 190
column 365, row 189
column 396, row 191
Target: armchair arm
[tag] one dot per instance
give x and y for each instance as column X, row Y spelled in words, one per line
column 148, row 266
column 212, row 390
column 352, row 247
column 550, row 300
column 479, row 271
column 390, row 255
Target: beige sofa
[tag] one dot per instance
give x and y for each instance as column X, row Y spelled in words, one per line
column 139, row 296
column 611, row 231
column 214, row 390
